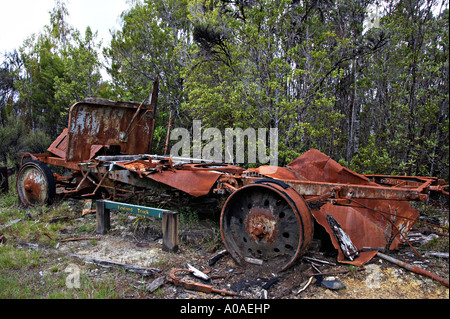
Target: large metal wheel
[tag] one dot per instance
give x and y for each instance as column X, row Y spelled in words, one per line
column 266, row 224
column 35, row 184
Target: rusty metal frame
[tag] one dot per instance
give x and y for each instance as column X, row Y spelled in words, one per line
column 107, row 147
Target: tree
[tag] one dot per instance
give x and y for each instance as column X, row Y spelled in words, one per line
column 153, row 42
column 81, row 72
column 59, row 68
column 52, row 69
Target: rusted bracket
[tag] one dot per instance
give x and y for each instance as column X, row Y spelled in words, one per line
column 191, row 285
column 124, row 135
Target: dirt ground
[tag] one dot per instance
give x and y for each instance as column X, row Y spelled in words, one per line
column 137, row 242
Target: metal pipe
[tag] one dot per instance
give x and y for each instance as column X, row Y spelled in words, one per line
column 415, row 269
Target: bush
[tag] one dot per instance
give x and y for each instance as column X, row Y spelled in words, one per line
column 16, row 139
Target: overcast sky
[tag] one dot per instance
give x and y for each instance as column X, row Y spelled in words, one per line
column 21, row 18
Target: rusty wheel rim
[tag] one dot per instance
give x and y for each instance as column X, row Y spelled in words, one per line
column 266, row 225
column 35, row 184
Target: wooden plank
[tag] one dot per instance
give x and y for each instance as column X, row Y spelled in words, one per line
column 102, row 217
column 170, row 231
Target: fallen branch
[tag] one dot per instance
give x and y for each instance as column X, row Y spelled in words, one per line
column 415, row 269
column 437, row 254
column 46, row 234
column 336, row 272
column 133, row 268
column 10, row 223
column 82, row 238
column 319, row 261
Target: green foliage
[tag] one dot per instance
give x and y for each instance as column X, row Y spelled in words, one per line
column 371, row 159
column 16, row 139
column 52, row 70
column 374, row 96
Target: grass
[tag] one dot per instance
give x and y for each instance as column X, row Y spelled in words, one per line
column 439, row 243
column 27, row 273
column 33, row 274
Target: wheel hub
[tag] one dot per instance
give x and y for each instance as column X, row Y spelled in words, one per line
column 261, row 225
column 35, row 184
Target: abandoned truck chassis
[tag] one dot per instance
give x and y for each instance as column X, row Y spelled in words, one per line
column 269, row 214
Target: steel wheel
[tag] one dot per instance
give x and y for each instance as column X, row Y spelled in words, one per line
column 35, row 184
column 267, row 224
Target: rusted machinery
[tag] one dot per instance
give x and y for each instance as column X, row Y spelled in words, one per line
column 269, row 214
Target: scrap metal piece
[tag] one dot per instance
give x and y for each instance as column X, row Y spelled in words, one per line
column 197, row 273
column 191, row 285
column 413, row 268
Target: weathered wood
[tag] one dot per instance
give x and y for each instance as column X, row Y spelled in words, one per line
column 319, row 260
column 133, row 268
column 216, row 257
column 306, row 285
column 155, row 284
column 102, row 217
column 10, row 223
column 348, row 248
column 170, row 222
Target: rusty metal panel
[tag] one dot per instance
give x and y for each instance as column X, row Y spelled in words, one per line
column 195, row 183
column 100, row 122
column 59, row 146
column 316, row 166
column 383, row 224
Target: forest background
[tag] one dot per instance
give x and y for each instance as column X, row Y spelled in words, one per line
column 364, row 81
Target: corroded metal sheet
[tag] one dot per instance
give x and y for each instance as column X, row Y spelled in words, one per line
column 59, row 146
column 195, row 183
column 97, row 122
column 316, row 166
